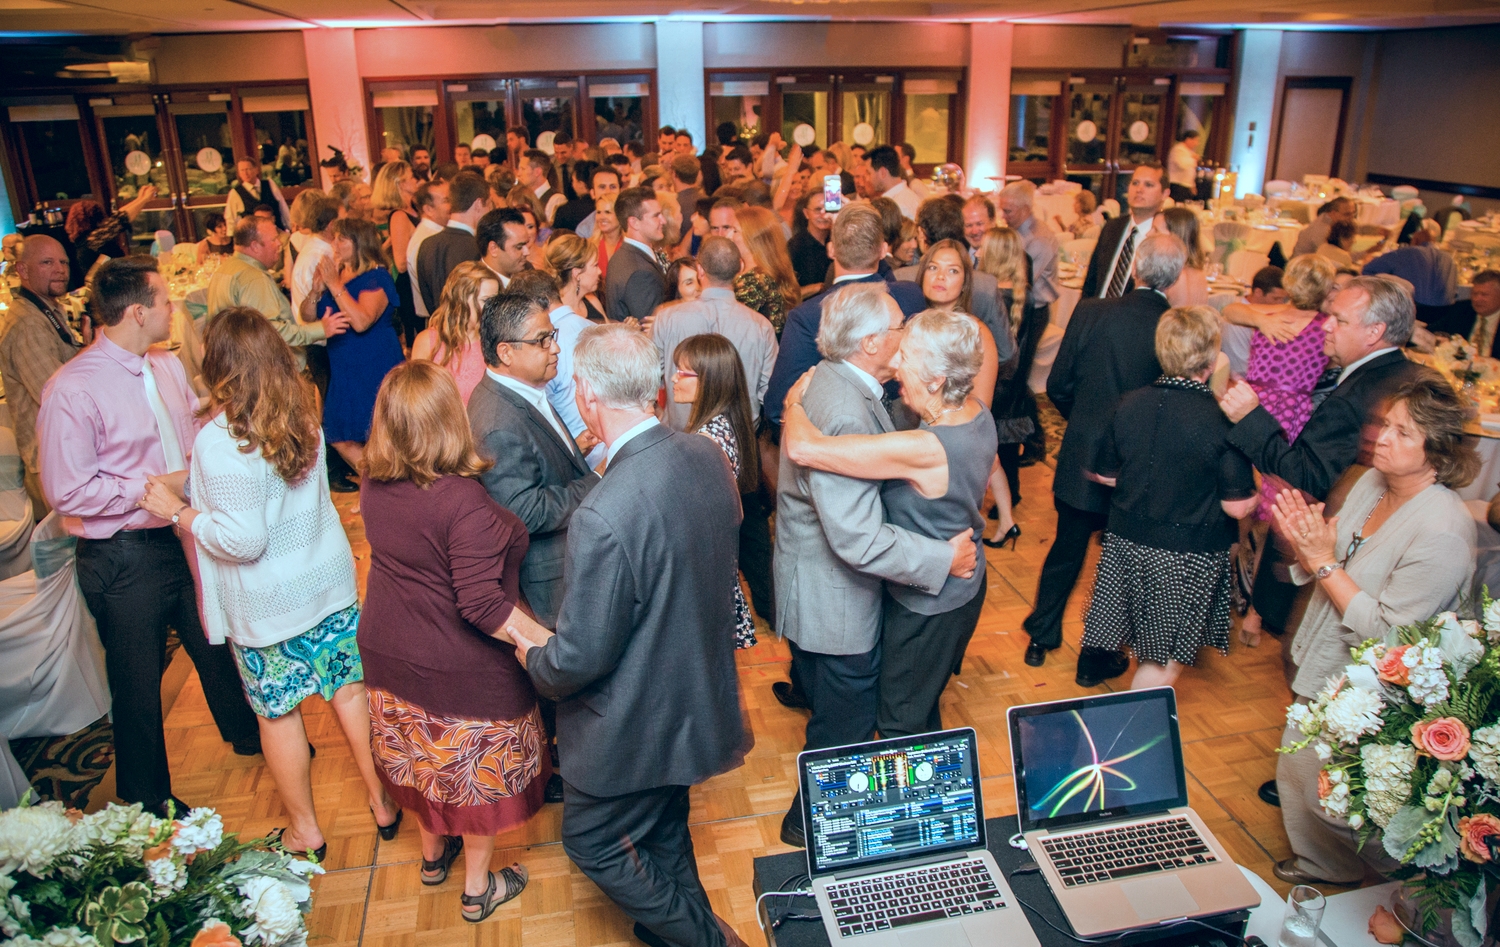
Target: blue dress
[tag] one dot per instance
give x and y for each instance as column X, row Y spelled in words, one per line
column 358, row 361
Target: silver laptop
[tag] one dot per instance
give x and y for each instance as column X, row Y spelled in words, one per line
column 1102, row 798
column 896, row 848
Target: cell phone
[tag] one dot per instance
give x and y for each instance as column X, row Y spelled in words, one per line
column 833, row 193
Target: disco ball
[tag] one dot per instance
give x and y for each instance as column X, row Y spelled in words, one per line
column 948, row 178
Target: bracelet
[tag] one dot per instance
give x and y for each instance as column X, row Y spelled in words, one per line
column 1325, row 571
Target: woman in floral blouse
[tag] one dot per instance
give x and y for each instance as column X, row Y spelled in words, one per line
column 768, row 284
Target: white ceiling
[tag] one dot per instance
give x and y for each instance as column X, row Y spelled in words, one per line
column 81, row 17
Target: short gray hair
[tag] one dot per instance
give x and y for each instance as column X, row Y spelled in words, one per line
column 620, row 364
column 852, row 314
column 1018, row 194
column 945, row 345
column 1159, row 260
column 1390, row 303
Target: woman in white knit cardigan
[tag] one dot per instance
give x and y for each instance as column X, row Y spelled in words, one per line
column 276, row 568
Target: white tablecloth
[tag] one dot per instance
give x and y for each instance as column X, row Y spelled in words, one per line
column 1049, row 206
column 1383, row 213
column 1487, row 484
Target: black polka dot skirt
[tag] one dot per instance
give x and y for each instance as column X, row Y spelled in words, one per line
column 1161, row 604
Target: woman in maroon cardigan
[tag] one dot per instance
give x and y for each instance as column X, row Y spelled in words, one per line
column 454, row 723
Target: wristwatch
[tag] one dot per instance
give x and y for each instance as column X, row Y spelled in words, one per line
column 176, row 518
column 1327, row 570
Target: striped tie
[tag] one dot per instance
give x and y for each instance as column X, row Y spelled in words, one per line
column 1121, row 275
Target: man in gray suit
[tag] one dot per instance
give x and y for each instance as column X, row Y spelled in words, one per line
column 642, row 663
column 833, row 545
column 636, row 284
column 941, row 219
column 717, row 311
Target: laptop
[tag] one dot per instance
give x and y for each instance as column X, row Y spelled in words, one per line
column 896, row 847
column 1102, row 798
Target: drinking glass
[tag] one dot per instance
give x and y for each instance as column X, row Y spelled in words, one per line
column 1304, row 912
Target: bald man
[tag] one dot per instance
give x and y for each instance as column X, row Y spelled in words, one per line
column 35, row 340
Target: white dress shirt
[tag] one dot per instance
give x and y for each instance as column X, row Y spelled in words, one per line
column 314, row 250
column 905, row 198
column 1141, row 231
column 1182, row 166
column 1349, row 369
column 626, row 438
column 562, row 390
column 646, row 249
column 425, row 228
column 867, row 378
column 1483, row 334
column 537, row 398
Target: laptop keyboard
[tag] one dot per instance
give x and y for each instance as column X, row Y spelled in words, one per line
column 1110, row 854
column 882, row 902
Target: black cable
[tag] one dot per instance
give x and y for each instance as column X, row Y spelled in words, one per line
column 1118, row 934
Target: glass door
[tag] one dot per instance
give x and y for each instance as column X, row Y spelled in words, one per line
column 480, row 107
column 405, row 116
column 741, row 101
column 47, row 148
column 1088, row 156
column 929, row 120
column 619, row 108
column 805, row 100
column 205, row 155
column 134, row 136
column 865, row 109
column 547, row 106
column 1140, row 129
column 1036, row 108
column 278, row 130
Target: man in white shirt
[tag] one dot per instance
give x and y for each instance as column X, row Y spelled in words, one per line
column 250, row 191
column 885, row 170
column 320, row 219
column 1182, row 166
column 535, row 172
column 1041, row 243
column 503, row 243
column 431, row 201
column 1110, row 268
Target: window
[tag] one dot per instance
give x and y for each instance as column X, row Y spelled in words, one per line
column 405, row 118
column 741, row 103
column 207, row 146
column 870, row 107
column 929, row 114
column 1197, row 104
column 133, row 146
column 619, row 109
column 53, row 149
column 278, row 122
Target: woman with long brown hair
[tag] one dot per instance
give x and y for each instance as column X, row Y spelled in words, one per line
column 457, row 735
column 452, row 335
column 276, row 569
column 767, row 284
column 711, row 378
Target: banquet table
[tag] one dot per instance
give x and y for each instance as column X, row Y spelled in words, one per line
column 1048, row 206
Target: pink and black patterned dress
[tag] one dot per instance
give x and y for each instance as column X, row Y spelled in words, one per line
column 1283, row 375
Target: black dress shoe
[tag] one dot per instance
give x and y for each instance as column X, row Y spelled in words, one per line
column 645, row 936
column 1098, row 667
column 342, row 484
column 788, row 696
column 791, row 830
column 1012, row 536
column 554, row 790
column 1269, row 794
column 1036, row 654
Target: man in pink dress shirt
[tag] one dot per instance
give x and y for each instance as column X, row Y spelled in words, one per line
column 115, row 415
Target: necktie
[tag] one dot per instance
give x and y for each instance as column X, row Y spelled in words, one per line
column 1121, row 276
column 1481, row 338
column 164, row 426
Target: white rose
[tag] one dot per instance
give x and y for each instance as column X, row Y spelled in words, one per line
column 1324, row 751
column 1492, row 617
column 31, row 838
column 1356, row 820
column 274, row 907
column 201, row 831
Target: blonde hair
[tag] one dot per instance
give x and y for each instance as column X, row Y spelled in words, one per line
column 386, row 194
column 302, row 208
column 763, row 235
column 420, row 430
column 457, row 318
column 521, row 197
column 1187, row 341
column 1002, row 254
column 566, row 254
column 1308, row 280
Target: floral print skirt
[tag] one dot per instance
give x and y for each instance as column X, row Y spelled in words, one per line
column 319, row 661
column 458, row 776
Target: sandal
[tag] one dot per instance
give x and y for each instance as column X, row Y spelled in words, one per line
column 388, row 832
column 515, row 882
column 315, row 855
column 452, row 845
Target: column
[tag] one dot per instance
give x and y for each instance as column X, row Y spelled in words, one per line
column 987, row 116
column 337, row 95
column 679, row 77
column 1259, row 62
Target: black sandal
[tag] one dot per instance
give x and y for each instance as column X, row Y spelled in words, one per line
column 315, row 855
column 452, row 845
column 388, row 832
column 515, row 882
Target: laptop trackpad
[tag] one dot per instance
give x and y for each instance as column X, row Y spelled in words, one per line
column 949, row 934
column 1160, row 897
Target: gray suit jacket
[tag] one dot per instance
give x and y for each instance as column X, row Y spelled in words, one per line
column 634, row 286
column 833, row 545
column 643, row 659
column 986, row 303
column 537, row 476
column 718, row 312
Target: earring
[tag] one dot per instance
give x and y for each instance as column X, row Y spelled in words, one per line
column 932, row 389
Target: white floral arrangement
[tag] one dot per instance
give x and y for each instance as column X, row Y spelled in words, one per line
column 1409, row 738
column 122, row 876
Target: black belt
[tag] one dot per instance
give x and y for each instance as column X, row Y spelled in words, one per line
column 160, row 534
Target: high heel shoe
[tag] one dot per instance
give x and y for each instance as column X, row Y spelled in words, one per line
column 1012, row 536
column 388, row 832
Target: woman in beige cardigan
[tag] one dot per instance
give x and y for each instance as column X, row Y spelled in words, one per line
column 1401, row 550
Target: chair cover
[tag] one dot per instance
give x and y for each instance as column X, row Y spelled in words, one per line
column 1276, row 188
column 1404, row 192
column 165, row 241
column 1077, row 251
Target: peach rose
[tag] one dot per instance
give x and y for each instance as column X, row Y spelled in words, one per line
column 1325, row 785
column 1474, row 831
column 1391, row 670
column 1383, row 927
column 1445, row 738
column 216, row 935
column 164, row 850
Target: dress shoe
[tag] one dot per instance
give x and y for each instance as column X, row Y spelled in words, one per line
column 1096, row 666
column 1289, row 872
column 342, row 484
column 169, row 808
column 1269, row 794
column 554, row 790
column 1036, row 654
column 791, row 830
column 1012, row 536
column 788, row 696
column 644, row 935
column 731, row 939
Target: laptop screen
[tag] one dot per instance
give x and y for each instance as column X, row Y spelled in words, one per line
column 891, row 800
column 1097, row 758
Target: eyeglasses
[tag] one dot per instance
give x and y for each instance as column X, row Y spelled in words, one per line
column 1355, row 542
column 541, row 340
column 684, row 373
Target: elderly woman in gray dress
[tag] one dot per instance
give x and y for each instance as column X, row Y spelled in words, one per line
column 935, row 482
column 1401, row 550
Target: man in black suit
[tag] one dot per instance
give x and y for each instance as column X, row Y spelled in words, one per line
column 455, row 243
column 1109, row 269
column 643, row 659
column 1108, row 351
column 635, row 284
column 1478, row 317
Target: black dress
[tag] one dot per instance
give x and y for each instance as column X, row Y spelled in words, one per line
column 1163, row 582
column 809, row 257
column 1015, row 409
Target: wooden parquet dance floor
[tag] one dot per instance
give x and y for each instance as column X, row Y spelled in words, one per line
column 1231, row 708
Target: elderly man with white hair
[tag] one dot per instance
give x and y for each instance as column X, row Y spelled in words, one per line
column 1041, row 243
column 832, row 533
column 642, row 663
